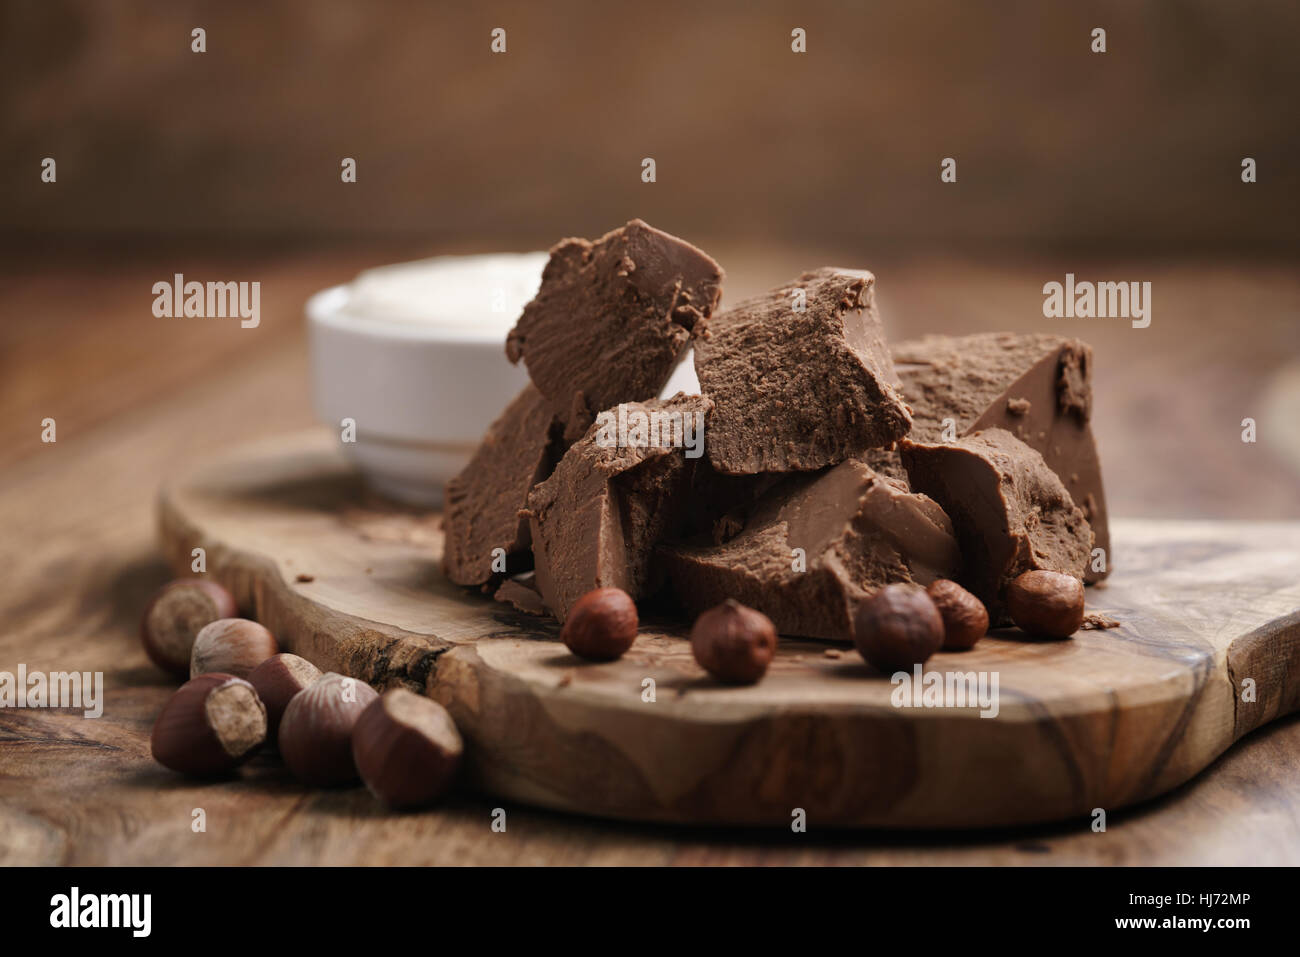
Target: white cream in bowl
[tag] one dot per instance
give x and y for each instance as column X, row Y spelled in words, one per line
column 415, row 354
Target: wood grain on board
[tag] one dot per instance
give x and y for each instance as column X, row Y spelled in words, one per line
column 1103, row 720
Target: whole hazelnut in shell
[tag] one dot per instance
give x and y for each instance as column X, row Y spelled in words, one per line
column 316, row 730
column 277, row 680
column 601, row 625
column 898, row 628
column 406, row 748
column 1046, row 604
column 733, row 642
column 209, row 726
column 174, row 616
column 965, row 619
column 231, row 645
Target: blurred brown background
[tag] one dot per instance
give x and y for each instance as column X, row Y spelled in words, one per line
column 1138, row 147
column 1117, row 166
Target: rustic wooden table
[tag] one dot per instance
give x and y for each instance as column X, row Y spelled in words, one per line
column 133, row 396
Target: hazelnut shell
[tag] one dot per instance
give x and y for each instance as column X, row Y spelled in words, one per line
column 174, row 616
column 897, row 628
column 1046, row 604
column 277, row 680
column 406, row 748
column 209, row 726
column 601, row 625
column 316, row 730
column 733, row 642
column 965, row 619
column 233, row 646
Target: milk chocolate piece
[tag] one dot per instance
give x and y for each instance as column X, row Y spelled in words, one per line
column 483, row 501
column 858, row 531
column 612, row 318
column 522, row 595
column 1039, row 388
column 1010, row 511
column 597, row 520
column 799, row 390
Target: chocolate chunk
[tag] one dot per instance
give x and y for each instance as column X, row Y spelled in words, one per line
column 1096, row 621
column 483, row 501
column 612, row 318
column 614, row 496
column 800, row 377
column 1038, row 387
column 1010, row 511
column 857, row 530
column 522, row 596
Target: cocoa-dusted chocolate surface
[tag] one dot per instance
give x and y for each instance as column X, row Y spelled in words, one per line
column 1010, row 511
column 597, row 520
column 483, row 501
column 612, row 318
column 1039, row 388
column 857, row 531
column 799, row 390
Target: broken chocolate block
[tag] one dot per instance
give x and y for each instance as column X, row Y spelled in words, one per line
column 612, row 318
column 815, row 547
column 1037, row 387
column 800, row 377
column 1010, row 511
column 483, row 501
column 615, row 495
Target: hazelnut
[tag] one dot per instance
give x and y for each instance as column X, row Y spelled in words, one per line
column 277, row 680
column 210, row 725
column 601, row 625
column 733, row 642
column 406, row 748
column 316, row 730
column 898, row 627
column 174, row 616
column 234, row 646
column 1046, row 604
column 965, row 619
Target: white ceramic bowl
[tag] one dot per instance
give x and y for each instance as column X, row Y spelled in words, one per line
column 415, row 355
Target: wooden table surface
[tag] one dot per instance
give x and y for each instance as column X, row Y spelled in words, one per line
column 134, row 396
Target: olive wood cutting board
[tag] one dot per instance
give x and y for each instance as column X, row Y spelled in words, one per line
column 1103, row 720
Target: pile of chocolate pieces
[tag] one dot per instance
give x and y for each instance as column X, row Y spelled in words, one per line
column 832, row 464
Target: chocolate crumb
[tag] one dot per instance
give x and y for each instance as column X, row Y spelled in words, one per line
column 305, row 578
column 1018, row 406
column 1098, row 622
column 833, row 653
